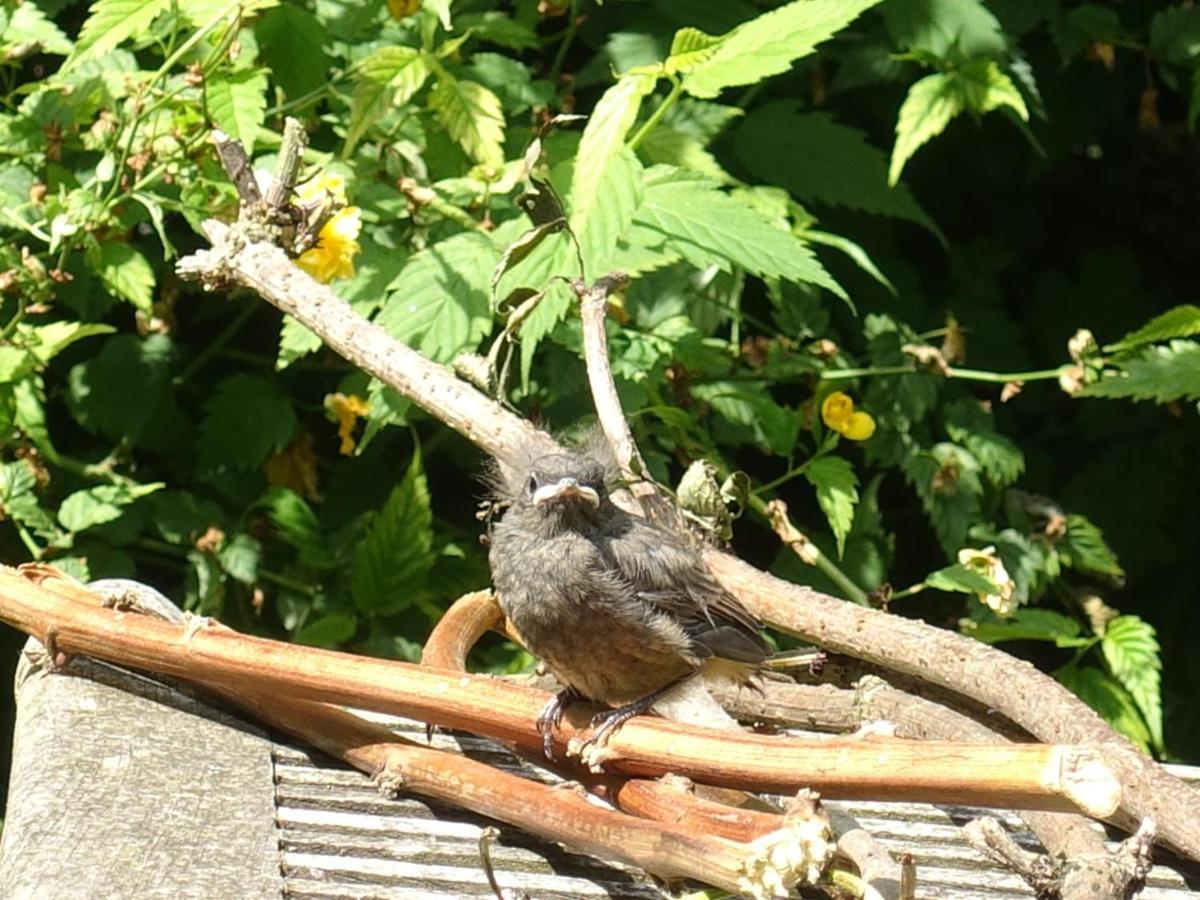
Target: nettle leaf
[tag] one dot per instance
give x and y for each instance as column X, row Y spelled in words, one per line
column 1083, row 548
column 110, row 23
column 95, row 506
column 961, row 579
column 247, row 418
column 970, row 425
column 837, row 493
column 292, row 43
column 1180, row 322
column 750, row 406
column 387, row 78
column 239, row 556
column 840, row 168
column 1029, row 625
column 770, row 43
column 620, row 196
column 472, row 116
column 99, row 395
column 945, row 27
column 1108, row 697
column 705, row 225
column 394, row 557
column 979, row 86
column 47, row 341
column 440, row 301
column 677, row 148
column 1161, row 373
column 946, row 478
column 237, row 102
column 18, row 497
column 298, row 525
column 689, row 48
column 1131, row 649
column 600, row 149
column 28, row 25
column 125, row 272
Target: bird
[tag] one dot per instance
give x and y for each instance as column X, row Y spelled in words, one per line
column 621, row 610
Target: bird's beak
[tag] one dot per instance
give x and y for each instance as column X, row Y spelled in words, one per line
column 565, row 489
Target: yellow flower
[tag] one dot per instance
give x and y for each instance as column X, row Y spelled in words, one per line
column 988, row 564
column 329, row 183
column 402, row 9
column 333, row 257
column 837, row 411
column 347, row 409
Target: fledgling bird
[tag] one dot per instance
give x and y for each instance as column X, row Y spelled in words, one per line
column 621, row 610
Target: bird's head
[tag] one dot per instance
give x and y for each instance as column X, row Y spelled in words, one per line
column 565, row 485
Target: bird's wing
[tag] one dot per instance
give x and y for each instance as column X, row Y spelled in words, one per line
column 669, row 575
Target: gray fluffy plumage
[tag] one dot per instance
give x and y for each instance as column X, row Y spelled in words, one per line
column 615, row 606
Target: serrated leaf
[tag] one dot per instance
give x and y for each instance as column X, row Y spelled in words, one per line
column 1084, row 549
column 837, row 493
column 1028, row 625
column 237, row 102
column 395, row 555
column 439, row 303
column 705, row 225
column 1161, row 373
column 1132, row 651
column 620, row 196
column 27, row 24
column 95, row 506
column 239, row 556
column 15, row 364
column 751, row 407
column 689, row 48
column 1180, row 322
column 770, row 43
column 472, row 116
column 47, row 341
column 247, row 418
column 971, row 426
column 291, row 43
column 388, row 77
column 99, row 395
column 125, row 272
column 110, row 23
column 840, row 168
column 675, row 148
column 961, row 579
column 296, row 340
column 600, row 150
column 327, row 631
column 296, row 521
column 946, row 478
column 943, row 28
column 1107, row 697
column 18, row 497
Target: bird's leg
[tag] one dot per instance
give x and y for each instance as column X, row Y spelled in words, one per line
column 610, row 720
column 551, row 717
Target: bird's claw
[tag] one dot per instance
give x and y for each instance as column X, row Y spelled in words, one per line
column 551, row 717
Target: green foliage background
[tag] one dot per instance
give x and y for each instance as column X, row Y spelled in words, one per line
column 915, row 202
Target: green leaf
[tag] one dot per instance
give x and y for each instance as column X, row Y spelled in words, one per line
column 1107, row 697
column 295, row 341
column 387, row 78
column 961, row 579
column 1028, row 625
column 770, row 43
column 291, row 42
column 439, row 303
column 853, row 251
column 751, row 407
column 296, row 521
column 125, row 272
column 18, row 496
column 15, row 364
column 970, row 425
column 47, row 341
column 99, row 395
column 110, row 23
column 95, row 506
column 689, row 48
column 1179, row 322
column 1131, row 649
column 690, row 214
column 329, row 630
column 247, row 418
column 837, row 493
column 1175, row 35
column 677, row 148
column 945, row 28
column 1161, row 373
column 239, row 556
column 27, row 24
column 237, row 102
column 473, row 117
column 1084, row 549
column 600, row 150
column 839, row 167
column 396, row 553
column 946, row 478
column 611, row 214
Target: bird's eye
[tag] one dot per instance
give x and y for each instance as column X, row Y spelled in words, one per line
column 532, row 485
